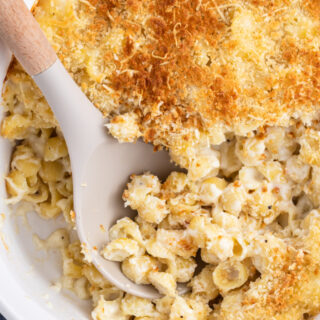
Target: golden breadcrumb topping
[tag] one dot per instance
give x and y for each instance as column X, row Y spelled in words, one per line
column 193, row 62
column 190, row 68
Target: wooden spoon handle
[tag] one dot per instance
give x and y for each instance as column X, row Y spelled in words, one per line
column 23, row 35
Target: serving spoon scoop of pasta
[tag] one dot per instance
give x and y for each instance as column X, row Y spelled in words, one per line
column 100, row 165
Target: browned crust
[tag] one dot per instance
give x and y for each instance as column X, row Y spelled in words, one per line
column 165, row 70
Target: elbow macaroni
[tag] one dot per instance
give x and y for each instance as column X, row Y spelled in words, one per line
column 257, row 200
column 230, row 275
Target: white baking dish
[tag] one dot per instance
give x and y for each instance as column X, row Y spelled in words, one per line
column 26, row 274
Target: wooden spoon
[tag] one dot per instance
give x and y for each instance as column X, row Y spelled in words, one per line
column 100, row 165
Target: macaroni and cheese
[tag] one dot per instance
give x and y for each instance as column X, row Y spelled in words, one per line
column 231, row 89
